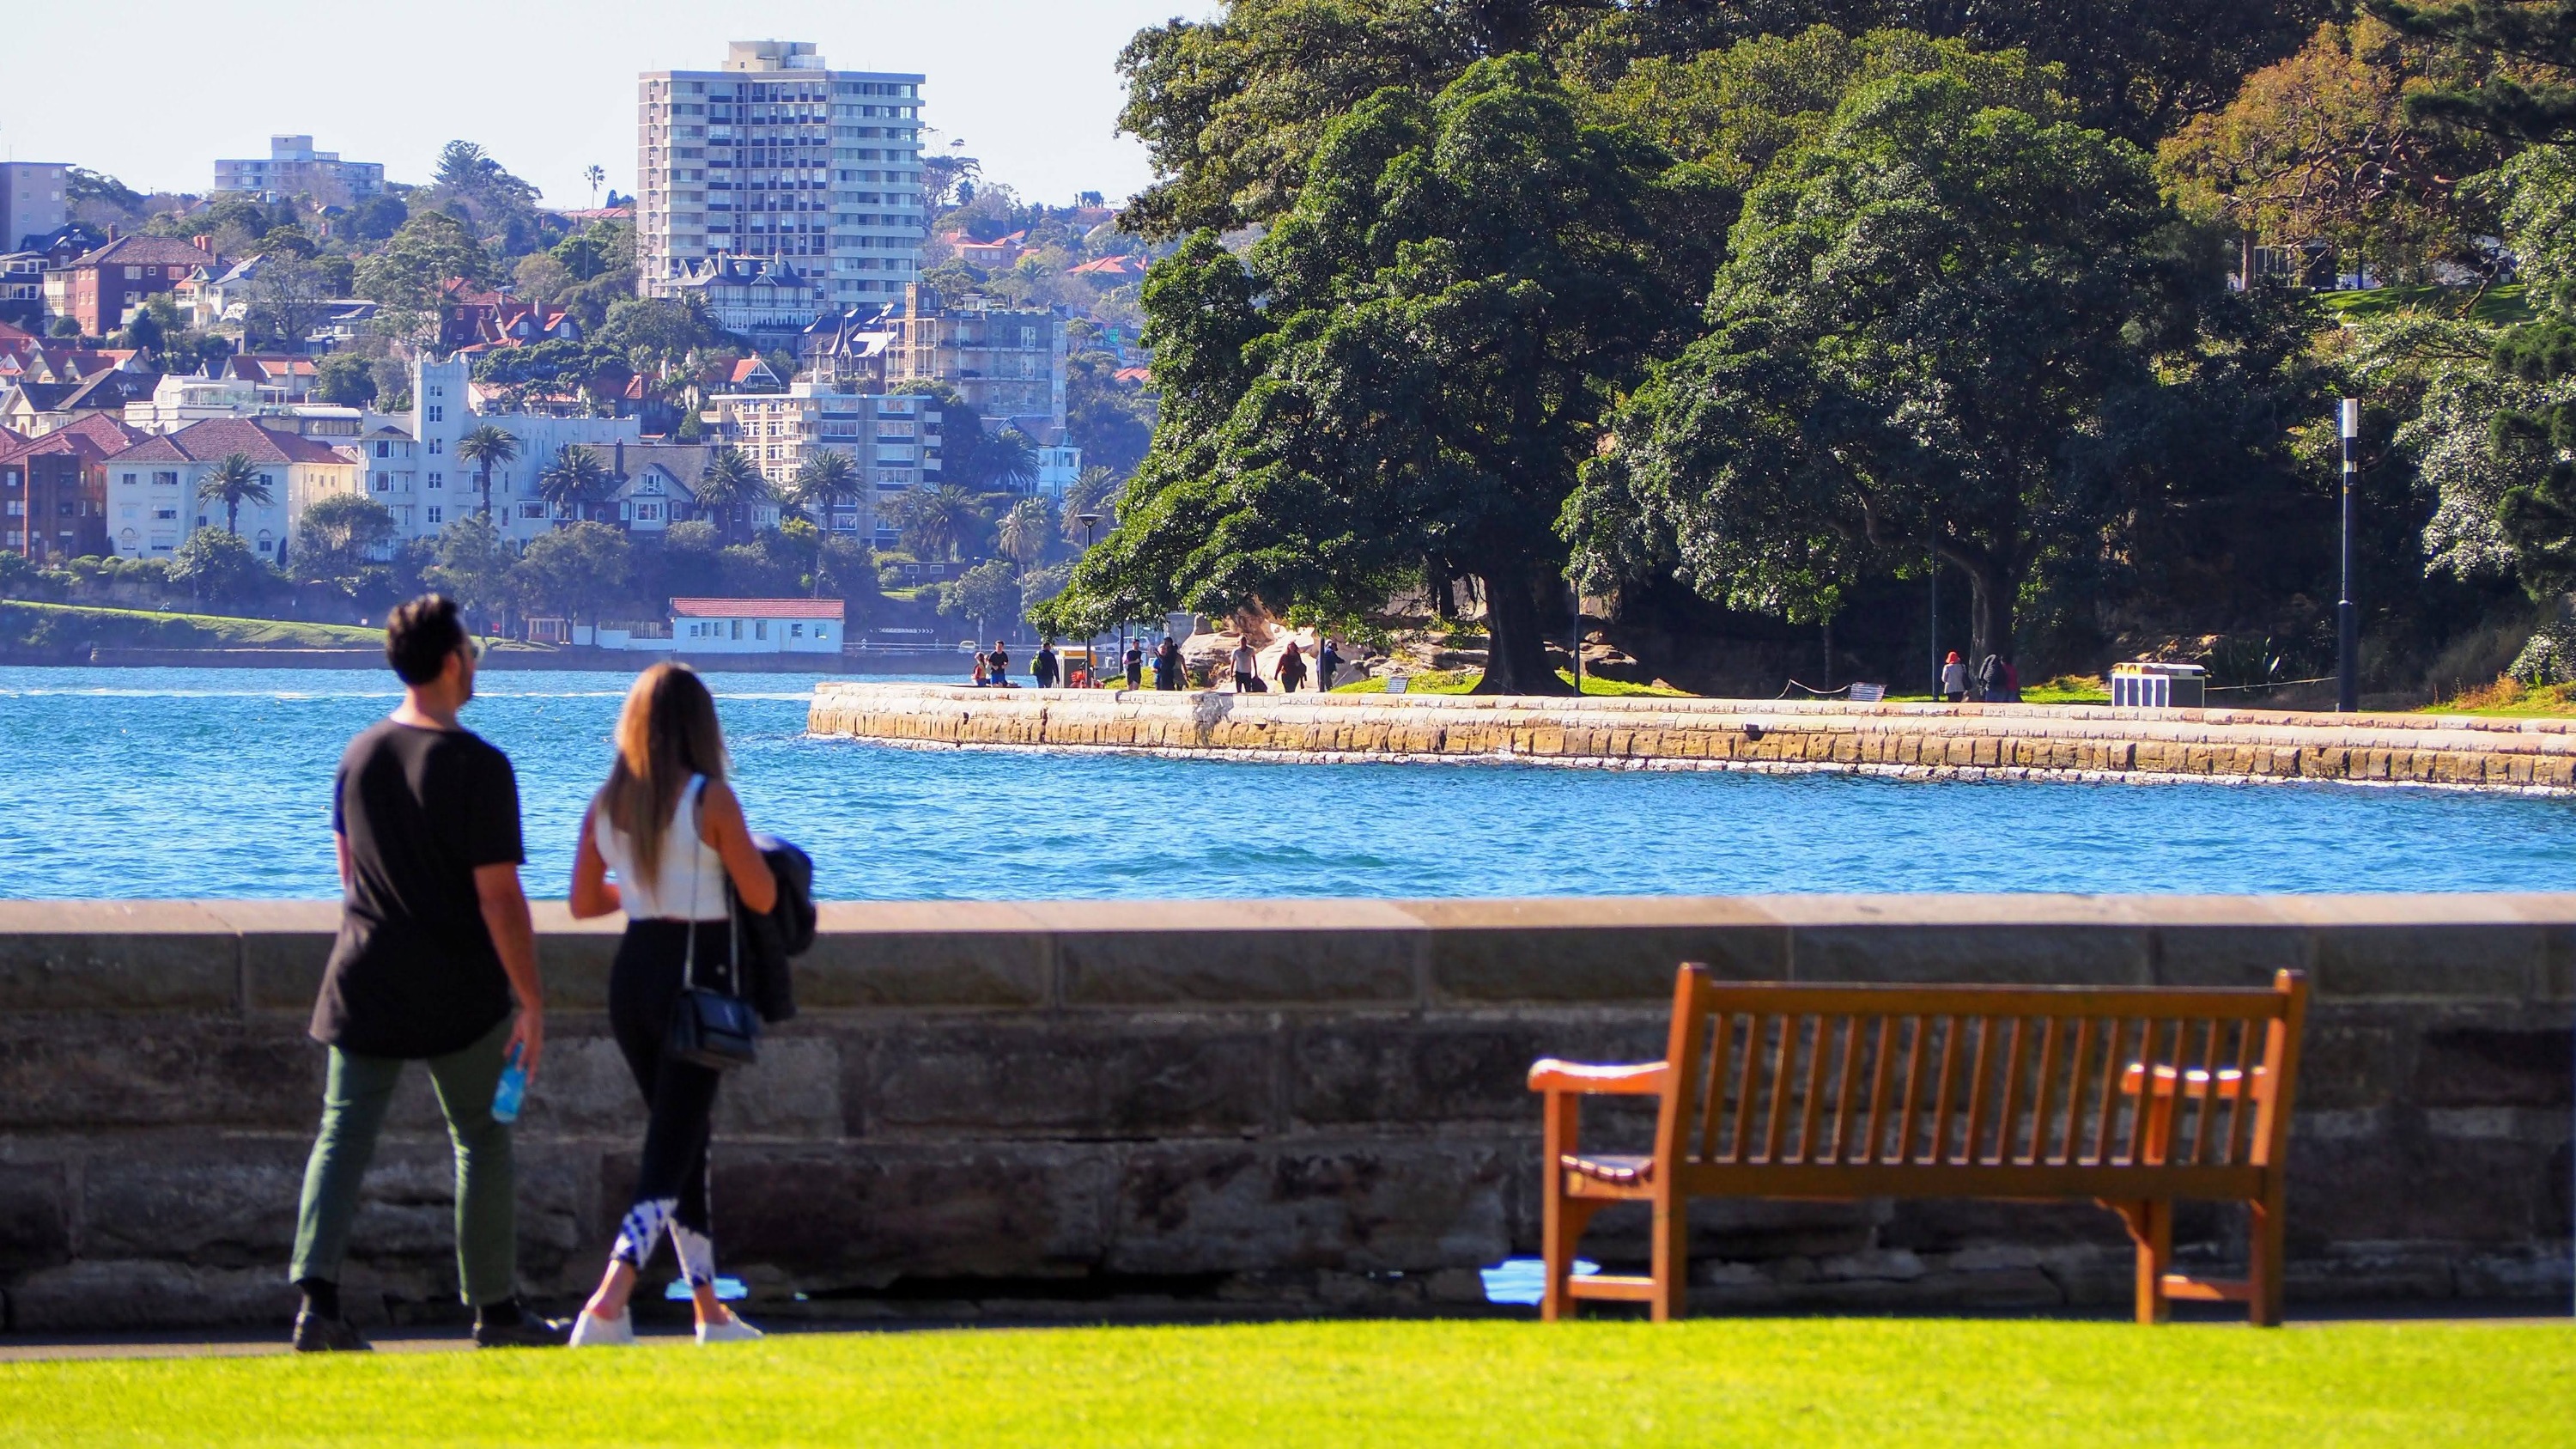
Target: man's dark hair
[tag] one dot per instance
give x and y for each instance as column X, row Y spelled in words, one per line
column 420, row 635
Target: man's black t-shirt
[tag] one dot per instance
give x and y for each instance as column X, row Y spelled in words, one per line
column 414, row 973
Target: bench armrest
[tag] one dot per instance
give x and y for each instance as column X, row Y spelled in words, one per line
column 1644, row 1079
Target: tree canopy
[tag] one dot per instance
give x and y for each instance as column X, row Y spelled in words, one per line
column 1401, row 378
column 1909, row 348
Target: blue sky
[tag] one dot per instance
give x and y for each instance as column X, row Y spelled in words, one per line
column 155, row 91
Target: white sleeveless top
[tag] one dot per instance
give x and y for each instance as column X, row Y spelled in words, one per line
column 691, row 883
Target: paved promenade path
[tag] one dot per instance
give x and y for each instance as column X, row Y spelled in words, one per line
column 1962, row 741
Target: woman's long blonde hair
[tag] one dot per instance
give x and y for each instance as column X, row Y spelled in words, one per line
column 666, row 733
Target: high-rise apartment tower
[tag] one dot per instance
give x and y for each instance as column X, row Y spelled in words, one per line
column 779, row 158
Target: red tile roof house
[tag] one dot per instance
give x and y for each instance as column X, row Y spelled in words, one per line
column 152, row 486
column 755, row 626
column 53, row 489
column 104, row 287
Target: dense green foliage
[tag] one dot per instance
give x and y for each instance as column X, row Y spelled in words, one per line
column 1911, row 351
column 1402, row 377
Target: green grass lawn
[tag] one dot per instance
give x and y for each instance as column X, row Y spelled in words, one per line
column 148, row 629
column 1709, row 1382
column 2507, row 700
column 1461, row 681
column 2496, row 306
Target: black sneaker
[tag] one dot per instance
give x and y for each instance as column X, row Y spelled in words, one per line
column 315, row 1334
column 528, row 1332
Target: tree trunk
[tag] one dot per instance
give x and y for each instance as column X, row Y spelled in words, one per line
column 1520, row 603
column 1990, row 606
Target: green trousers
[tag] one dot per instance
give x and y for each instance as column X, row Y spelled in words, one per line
column 353, row 1112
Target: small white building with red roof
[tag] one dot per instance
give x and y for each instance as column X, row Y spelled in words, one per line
column 755, row 626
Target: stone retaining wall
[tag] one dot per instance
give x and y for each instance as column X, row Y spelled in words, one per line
column 1215, row 1107
column 1962, row 740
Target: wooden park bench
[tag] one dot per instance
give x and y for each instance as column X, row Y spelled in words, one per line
column 2133, row 1098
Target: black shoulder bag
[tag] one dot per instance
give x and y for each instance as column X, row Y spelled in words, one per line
column 717, row 1030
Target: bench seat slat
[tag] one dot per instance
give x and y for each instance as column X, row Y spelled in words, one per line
column 2044, row 1181
column 1786, row 998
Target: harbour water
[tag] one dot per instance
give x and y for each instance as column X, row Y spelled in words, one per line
column 216, row 783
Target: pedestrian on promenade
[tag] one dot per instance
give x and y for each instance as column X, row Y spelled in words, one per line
column 1167, row 663
column 1292, row 668
column 1954, row 678
column 673, row 831
column 1247, row 668
column 1042, row 669
column 2012, row 682
column 1000, row 662
column 982, row 669
column 1328, row 663
column 1135, row 662
column 435, row 940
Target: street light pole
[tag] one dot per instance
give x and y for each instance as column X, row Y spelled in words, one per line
column 1091, row 645
column 2347, row 616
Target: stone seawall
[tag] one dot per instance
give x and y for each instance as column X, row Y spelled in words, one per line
column 1221, row 1107
column 1933, row 740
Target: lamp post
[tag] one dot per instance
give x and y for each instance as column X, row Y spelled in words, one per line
column 2347, row 616
column 1091, row 645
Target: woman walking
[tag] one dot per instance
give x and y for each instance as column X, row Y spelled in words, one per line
column 669, row 826
column 1292, row 668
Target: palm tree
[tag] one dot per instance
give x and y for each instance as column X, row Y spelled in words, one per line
column 731, row 482
column 594, row 175
column 236, row 481
column 1027, row 530
column 484, row 447
column 824, row 482
column 574, row 481
column 1009, row 460
column 938, row 522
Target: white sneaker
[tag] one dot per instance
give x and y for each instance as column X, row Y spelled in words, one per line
column 589, row 1330
column 732, row 1330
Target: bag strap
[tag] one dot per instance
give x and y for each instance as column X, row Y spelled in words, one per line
column 689, row 962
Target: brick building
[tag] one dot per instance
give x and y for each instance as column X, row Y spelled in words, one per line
column 103, row 288
column 53, row 489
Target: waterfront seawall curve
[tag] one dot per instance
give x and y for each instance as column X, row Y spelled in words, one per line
column 1946, row 741
column 1095, row 1108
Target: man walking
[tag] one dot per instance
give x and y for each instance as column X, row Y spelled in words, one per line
column 434, row 942
column 1042, row 669
column 1327, row 664
column 1135, row 662
column 1247, row 668
column 1167, row 664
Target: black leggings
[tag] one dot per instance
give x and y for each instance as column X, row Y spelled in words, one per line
column 671, row 1180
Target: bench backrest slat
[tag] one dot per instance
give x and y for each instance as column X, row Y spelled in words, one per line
column 1977, row 1076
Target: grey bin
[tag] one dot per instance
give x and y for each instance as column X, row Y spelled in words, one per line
column 2151, row 685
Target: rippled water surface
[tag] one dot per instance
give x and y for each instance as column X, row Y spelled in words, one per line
column 205, row 783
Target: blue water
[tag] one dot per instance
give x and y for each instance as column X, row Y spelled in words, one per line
column 179, row 783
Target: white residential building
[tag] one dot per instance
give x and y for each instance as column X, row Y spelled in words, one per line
column 442, row 487
column 1059, row 468
column 152, row 502
column 893, row 440
column 292, row 167
column 33, row 201
column 778, row 158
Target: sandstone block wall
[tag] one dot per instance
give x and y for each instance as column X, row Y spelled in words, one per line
column 1963, row 740
column 1176, row 1107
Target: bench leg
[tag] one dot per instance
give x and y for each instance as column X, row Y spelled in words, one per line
column 1563, row 1233
column 1672, row 1257
column 2263, row 1271
column 2151, row 1225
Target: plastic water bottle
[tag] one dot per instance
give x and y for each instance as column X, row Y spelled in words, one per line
column 512, row 1091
